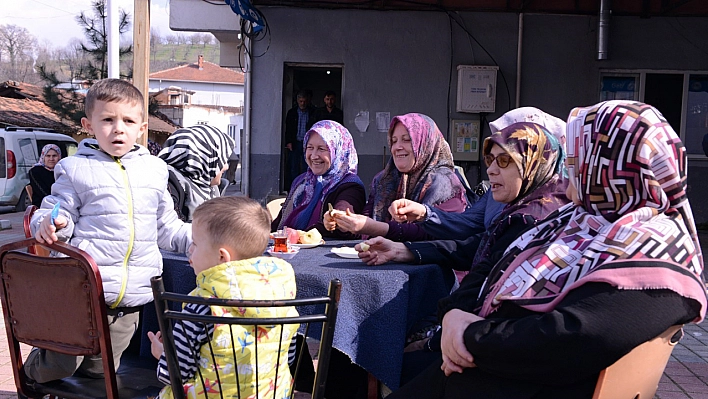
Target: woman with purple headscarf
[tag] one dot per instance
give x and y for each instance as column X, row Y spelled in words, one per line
column 420, row 169
column 330, row 179
column 42, row 173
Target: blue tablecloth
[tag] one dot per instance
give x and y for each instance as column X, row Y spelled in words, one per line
column 377, row 307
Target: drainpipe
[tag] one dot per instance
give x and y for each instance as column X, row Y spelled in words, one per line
column 519, row 47
column 246, row 139
column 603, row 30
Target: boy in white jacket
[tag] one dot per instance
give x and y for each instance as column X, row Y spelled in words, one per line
column 115, row 206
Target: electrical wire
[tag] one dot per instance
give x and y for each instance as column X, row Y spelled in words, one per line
column 248, row 31
column 506, row 85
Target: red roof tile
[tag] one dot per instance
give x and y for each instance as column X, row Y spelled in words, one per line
column 21, row 104
column 191, row 73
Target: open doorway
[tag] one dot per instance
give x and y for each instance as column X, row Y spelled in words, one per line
column 316, row 80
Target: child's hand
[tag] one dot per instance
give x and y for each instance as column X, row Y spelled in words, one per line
column 46, row 234
column 156, row 347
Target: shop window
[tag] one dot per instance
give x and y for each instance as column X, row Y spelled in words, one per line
column 681, row 97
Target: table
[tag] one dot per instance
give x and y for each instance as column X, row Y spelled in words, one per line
column 377, row 307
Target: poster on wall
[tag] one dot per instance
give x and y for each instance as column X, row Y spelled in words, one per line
column 464, row 139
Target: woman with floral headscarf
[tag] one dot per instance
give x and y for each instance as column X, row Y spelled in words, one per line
column 599, row 277
column 41, row 175
column 330, row 179
column 420, row 169
column 196, row 157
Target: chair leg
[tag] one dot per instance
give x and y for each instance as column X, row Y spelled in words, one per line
column 372, row 387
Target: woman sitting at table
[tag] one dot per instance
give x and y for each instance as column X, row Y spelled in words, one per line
column 597, row 278
column 330, row 179
column 41, row 176
column 420, row 169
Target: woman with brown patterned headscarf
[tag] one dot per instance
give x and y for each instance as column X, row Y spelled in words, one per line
column 599, row 277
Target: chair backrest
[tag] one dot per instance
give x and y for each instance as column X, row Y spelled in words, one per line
column 261, row 329
column 55, row 304
column 26, row 220
column 274, row 207
column 636, row 375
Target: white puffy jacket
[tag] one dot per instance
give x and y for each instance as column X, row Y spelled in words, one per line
column 120, row 212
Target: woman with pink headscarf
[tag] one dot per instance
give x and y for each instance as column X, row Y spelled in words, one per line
column 420, row 169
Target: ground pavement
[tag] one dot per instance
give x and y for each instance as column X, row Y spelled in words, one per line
column 685, row 377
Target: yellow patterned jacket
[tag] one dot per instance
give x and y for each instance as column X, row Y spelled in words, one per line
column 255, row 278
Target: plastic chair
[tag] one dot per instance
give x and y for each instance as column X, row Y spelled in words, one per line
column 26, row 220
column 636, row 375
column 274, row 207
column 57, row 304
column 167, row 319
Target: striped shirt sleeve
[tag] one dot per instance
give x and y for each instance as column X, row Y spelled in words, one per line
column 189, row 338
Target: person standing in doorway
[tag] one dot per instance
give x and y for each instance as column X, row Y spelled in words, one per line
column 330, row 110
column 297, row 122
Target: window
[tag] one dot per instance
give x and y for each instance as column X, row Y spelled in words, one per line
column 682, row 97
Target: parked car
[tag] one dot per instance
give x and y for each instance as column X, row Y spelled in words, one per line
column 19, row 151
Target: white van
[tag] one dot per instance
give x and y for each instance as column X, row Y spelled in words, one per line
column 20, row 148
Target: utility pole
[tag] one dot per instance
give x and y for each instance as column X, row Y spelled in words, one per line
column 113, row 38
column 141, row 54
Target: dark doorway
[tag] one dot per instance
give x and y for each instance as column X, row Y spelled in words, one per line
column 316, row 79
column 665, row 92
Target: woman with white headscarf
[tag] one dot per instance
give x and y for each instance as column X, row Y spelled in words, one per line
column 196, row 156
column 42, row 173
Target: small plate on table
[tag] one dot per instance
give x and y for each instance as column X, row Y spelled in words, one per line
column 292, row 251
column 305, row 246
column 346, row 252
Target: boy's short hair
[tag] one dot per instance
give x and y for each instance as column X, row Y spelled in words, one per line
column 239, row 222
column 112, row 90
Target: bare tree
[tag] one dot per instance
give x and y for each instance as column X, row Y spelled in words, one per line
column 17, row 52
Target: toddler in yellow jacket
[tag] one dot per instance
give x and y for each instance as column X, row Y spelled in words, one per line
column 229, row 235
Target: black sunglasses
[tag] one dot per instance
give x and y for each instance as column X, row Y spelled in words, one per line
column 503, row 160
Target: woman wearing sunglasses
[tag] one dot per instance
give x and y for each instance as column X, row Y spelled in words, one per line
column 525, row 167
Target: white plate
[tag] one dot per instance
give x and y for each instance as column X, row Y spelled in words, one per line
column 346, row 252
column 305, row 246
column 284, row 255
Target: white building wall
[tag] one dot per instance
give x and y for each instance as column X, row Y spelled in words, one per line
column 228, row 95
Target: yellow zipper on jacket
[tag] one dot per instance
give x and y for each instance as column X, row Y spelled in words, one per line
column 131, row 226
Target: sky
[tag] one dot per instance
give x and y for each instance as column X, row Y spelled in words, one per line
column 55, row 21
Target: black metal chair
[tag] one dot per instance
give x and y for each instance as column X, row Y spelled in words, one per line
column 57, row 304
column 325, row 312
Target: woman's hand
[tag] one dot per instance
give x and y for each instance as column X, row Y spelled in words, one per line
column 404, row 210
column 455, row 355
column 156, row 346
column 350, row 222
column 329, row 221
column 46, row 234
column 382, row 250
